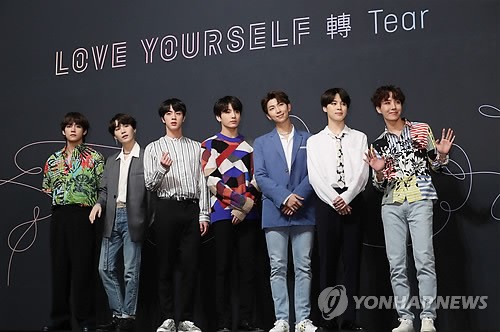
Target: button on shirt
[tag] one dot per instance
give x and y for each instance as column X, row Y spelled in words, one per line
column 124, row 168
column 184, row 178
column 322, row 164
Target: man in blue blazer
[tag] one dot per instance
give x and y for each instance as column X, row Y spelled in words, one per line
column 287, row 210
column 123, row 197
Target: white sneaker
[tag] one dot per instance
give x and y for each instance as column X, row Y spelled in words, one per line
column 305, row 325
column 187, row 326
column 406, row 325
column 427, row 325
column 167, row 326
column 280, row 326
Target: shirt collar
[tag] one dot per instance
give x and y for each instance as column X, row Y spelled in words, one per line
column 408, row 124
column 134, row 153
column 79, row 148
column 344, row 131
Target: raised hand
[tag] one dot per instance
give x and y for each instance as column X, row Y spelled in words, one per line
column 376, row 162
column 165, row 160
column 444, row 144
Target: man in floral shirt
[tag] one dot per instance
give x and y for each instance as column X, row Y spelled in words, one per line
column 400, row 159
column 71, row 177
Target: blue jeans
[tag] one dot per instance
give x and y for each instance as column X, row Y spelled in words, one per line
column 301, row 238
column 122, row 303
column 415, row 218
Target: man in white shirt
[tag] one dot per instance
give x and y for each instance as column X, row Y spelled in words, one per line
column 172, row 170
column 338, row 175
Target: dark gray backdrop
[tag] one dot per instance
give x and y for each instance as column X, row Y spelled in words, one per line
column 448, row 67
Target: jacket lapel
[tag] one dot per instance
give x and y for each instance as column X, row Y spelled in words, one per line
column 275, row 138
column 297, row 140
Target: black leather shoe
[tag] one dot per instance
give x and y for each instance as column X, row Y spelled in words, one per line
column 223, row 329
column 247, row 326
column 57, row 327
column 330, row 325
column 126, row 324
column 111, row 326
column 351, row 326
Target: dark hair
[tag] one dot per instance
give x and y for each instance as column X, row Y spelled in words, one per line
column 280, row 96
column 77, row 118
column 329, row 95
column 382, row 93
column 223, row 103
column 119, row 119
column 177, row 106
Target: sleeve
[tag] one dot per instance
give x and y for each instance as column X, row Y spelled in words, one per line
column 317, row 178
column 361, row 171
column 103, row 187
column 99, row 168
column 153, row 170
column 204, row 202
column 217, row 187
column 269, row 188
column 47, row 179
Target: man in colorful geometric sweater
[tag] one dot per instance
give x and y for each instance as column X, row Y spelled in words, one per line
column 227, row 162
column 400, row 159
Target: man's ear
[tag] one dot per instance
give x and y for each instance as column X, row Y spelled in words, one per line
column 218, row 118
column 84, row 133
column 378, row 110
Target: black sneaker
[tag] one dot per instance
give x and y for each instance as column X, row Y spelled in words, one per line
column 111, row 326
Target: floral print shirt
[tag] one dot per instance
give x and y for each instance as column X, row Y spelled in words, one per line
column 73, row 179
column 408, row 158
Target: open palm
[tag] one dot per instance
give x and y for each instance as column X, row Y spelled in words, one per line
column 444, row 144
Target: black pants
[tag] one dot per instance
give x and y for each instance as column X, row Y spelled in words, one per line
column 72, row 249
column 340, row 236
column 239, row 240
column 177, row 234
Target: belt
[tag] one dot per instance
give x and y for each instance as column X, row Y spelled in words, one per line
column 183, row 199
column 121, row 204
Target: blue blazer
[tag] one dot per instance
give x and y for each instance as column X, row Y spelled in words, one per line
column 276, row 183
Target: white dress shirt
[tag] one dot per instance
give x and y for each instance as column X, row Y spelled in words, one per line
column 124, row 167
column 322, row 164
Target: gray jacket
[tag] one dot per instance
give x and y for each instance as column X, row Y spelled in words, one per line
column 137, row 196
